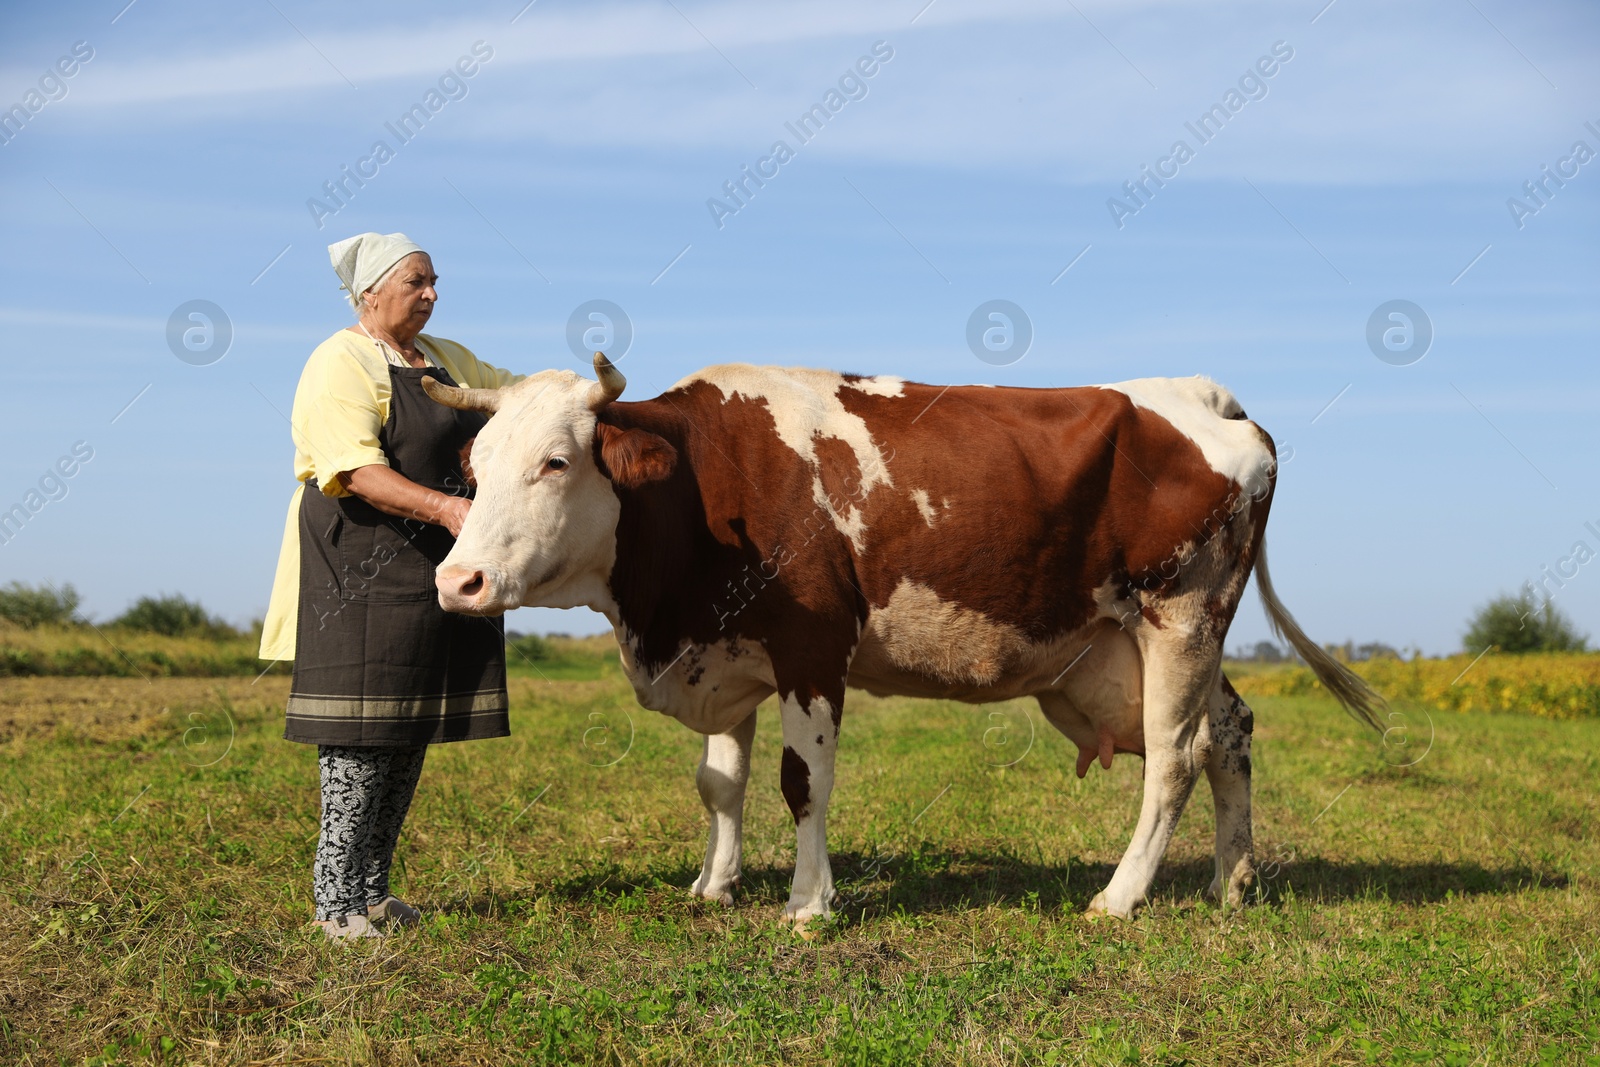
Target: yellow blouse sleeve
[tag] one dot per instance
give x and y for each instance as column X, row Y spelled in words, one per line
column 467, row 369
column 339, row 409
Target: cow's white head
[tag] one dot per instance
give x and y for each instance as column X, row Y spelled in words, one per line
column 542, row 529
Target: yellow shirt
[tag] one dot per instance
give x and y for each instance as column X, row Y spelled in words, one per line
column 340, row 405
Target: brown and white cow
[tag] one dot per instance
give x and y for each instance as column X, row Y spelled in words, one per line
column 760, row 530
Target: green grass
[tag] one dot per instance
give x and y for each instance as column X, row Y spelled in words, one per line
column 566, row 659
column 76, row 651
column 155, row 894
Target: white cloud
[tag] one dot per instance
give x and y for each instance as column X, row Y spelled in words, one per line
column 543, row 36
column 1413, row 94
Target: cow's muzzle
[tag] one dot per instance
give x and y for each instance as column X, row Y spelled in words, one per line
column 470, row 590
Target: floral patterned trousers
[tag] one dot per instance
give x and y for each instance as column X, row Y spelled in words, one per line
column 365, row 795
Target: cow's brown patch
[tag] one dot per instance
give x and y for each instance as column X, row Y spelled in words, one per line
column 840, row 476
column 795, row 780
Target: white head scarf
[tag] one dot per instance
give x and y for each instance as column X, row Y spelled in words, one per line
column 361, row 260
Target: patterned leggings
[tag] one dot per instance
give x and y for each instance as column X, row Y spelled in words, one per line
column 365, row 795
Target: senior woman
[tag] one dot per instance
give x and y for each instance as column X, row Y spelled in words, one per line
column 380, row 671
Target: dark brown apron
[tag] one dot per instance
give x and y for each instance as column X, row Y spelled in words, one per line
column 377, row 661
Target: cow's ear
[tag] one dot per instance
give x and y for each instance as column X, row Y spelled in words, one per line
column 631, row 458
column 466, row 463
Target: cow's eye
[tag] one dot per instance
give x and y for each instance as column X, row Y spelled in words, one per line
column 556, row 463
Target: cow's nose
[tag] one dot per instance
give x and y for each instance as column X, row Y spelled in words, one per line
column 460, row 588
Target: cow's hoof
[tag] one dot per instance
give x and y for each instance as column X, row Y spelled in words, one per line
column 1100, row 908
column 806, row 921
column 723, row 896
column 1238, row 889
column 1233, row 898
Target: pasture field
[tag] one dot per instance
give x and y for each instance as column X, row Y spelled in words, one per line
column 156, row 837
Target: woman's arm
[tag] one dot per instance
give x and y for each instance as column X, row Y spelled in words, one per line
column 394, row 494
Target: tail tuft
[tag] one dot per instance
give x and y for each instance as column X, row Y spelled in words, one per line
column 1358, row 698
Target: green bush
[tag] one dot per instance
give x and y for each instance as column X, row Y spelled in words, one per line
column 1520, row 624
column 29, row 606
column 173, row 616
column 526, row 648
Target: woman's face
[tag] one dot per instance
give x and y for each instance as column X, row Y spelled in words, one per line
column 405, row 302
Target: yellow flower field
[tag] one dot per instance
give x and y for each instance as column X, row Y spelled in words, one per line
column 1553, row 685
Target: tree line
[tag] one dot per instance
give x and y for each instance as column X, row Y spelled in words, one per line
column 171, row 615
column 1512, row 624
column 1508, row 623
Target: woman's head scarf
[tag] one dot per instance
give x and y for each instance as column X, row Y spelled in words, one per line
column 361, row 260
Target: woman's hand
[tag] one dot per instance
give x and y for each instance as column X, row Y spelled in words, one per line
column 454, row 515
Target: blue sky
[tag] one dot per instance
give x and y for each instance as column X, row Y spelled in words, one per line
column 576, row 164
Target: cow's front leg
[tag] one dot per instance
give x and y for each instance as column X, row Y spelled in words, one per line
column 724, row 770
column 810, row 736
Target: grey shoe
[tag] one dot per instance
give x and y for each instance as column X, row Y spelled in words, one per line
column 348, row 928
column 391, row 910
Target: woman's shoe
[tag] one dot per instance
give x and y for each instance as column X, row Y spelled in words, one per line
column 392, row 910
column 349, row 927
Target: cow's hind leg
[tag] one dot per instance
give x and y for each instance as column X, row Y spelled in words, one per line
column 810, row 738
column 724, row 770
column 1228, row 770
column 1179, row 674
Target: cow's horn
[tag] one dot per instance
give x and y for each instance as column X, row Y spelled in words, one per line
column 486, row 400
column 610, row 385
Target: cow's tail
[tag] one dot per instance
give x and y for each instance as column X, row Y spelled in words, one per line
column 1358, row 698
